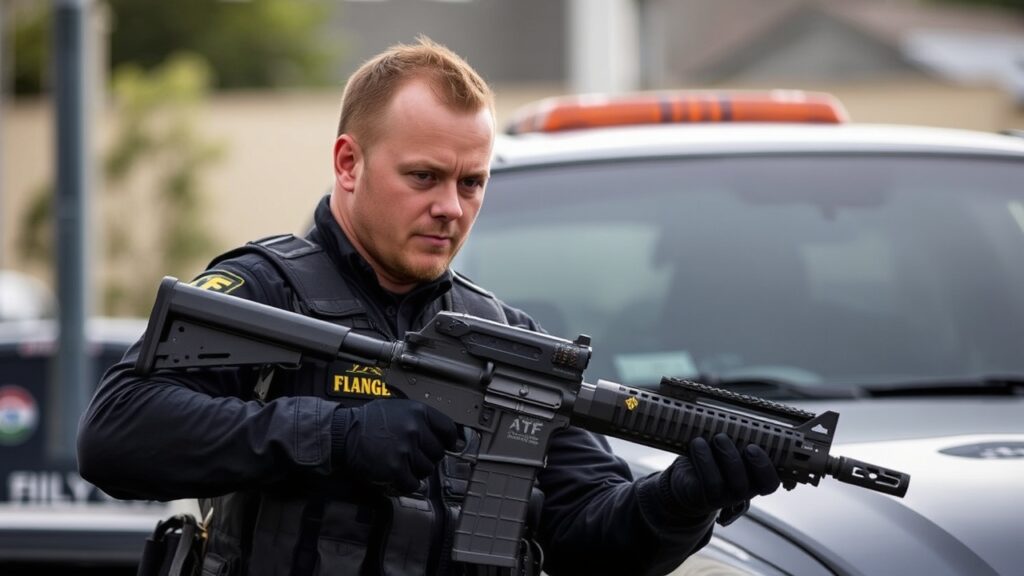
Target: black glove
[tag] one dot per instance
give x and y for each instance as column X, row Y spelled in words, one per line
column 717, row 476
column 392, row 443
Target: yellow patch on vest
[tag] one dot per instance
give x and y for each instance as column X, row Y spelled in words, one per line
column 359, row 382
column 218, row 281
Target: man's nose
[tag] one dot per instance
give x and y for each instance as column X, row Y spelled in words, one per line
column 447, row 204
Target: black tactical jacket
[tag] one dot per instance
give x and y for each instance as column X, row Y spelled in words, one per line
column 266, row 462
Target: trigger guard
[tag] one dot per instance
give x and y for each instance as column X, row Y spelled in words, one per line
column 470, row 438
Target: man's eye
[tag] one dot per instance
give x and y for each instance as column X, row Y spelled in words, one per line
column 472, row 182
column 422, row 176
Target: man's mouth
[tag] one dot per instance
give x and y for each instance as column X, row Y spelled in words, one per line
column 436, row 240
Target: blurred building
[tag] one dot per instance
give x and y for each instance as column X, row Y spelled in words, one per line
column 508, row 42
column 799, row 41
column 23, row 297
column 700, row 43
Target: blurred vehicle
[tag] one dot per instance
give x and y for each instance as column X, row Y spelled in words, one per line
column 23, row 297
column 763, row 243
column 51, row 520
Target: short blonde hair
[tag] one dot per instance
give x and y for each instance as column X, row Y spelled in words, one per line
column 371, row 88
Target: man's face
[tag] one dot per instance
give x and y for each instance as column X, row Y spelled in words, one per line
column 408, row 202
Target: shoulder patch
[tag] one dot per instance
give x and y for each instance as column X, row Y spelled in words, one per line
column 463, row 281
column 218, row 281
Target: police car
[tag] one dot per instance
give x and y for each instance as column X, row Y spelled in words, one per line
column 766, row 244
column 51, row 520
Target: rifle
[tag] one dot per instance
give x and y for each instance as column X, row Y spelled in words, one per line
column 512, row 386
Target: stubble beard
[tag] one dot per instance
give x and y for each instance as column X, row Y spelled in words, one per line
column 404, row 269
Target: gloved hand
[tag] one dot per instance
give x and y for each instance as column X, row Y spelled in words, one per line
column 717, row 476
column 392, row 443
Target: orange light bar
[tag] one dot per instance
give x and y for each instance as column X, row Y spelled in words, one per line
column 590, row 111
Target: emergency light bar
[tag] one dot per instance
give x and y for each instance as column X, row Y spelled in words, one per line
column 596, row 111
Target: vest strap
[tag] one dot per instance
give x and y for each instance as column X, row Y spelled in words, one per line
column 307, row 268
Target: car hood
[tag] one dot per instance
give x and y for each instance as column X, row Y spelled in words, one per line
column 961, row 515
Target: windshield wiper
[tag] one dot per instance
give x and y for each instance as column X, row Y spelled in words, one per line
column 985, row 385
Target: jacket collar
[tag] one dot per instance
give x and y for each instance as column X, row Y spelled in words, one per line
column 328, row 233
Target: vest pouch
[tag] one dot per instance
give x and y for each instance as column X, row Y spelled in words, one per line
column 175, row 548
column 407, row 545
column 276, row 534
column 214, row 565
column 344, row 538
column 229, row 534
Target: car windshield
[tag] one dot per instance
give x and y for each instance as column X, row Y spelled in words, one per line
column 813, row 270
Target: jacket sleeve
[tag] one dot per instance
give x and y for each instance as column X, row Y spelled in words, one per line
column 200, row 433
column 597, row 519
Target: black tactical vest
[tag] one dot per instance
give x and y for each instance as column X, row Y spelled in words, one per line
column 320, row 526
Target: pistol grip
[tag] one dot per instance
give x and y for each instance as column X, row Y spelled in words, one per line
column 493, row 515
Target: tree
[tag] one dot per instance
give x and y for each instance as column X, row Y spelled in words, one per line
column 248, row 44
column 153, row 166
column 251, row 43
column 30, row 44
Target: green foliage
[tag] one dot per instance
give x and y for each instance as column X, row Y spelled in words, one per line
column 157, row 135
column 152, row 170
column 30, row 25
column 35, row 235
column 249, row 43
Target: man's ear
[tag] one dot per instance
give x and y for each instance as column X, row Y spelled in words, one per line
column 348, row 159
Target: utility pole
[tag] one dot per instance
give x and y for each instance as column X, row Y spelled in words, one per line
column 5, row 59
column 74, row 179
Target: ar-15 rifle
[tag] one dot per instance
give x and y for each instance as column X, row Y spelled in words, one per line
column 513, row 386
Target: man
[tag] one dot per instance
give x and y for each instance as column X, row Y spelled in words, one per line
column 320, row 470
